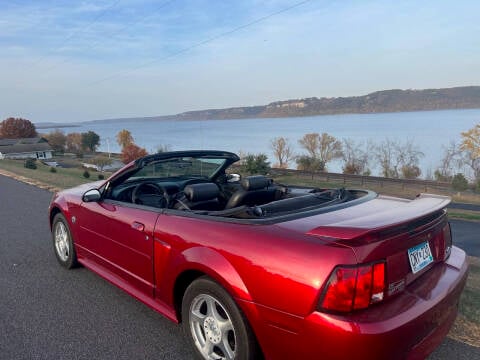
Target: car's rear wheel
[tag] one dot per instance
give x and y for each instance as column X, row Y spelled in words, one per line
column 214, row 324
column 63, row 242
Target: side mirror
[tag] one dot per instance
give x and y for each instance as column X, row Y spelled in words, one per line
column 92, row 195
column 233, row 178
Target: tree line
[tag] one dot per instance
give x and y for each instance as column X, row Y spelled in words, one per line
column 78, row 143
column 88, row 142
column 74, row 142
column 394, row 158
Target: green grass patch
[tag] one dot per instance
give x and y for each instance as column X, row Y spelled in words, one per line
column 470, row 300
column 464, row 214
column 467, row 326
column 469, row 304
column 62, row 178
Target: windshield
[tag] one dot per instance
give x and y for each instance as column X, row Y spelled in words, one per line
column 205, row 167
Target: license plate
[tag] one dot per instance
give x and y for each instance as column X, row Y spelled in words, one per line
column 420, row 256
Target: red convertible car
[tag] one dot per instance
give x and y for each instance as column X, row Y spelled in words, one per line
column 254, row 269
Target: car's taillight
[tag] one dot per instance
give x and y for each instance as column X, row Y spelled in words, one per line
column 447, row 236
column 353, row 288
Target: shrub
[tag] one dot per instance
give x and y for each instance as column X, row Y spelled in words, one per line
column 459, row 183
column 442, row 177
column 52, row 169
column 132, row 152
column 101, row 176
column 351, row 168
column 410, row 172
column 86, row 174
column 309, row 163
column 101, row 161
column 256, row 164
column 31, row 164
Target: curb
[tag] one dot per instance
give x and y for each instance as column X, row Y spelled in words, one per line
column 29, row 181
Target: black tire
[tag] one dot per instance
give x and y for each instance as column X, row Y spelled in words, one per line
column 242, row 341
column 65, row 254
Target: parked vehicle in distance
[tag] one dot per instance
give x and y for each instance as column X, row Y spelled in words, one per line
column 254, row 269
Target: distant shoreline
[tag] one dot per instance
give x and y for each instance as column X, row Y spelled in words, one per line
column 126, row 120
column 380, row 102
column 55, row 126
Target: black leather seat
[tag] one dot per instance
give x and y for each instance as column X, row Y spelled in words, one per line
column 203, row 196
column 255, row 190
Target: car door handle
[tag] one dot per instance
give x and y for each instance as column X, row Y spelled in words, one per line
column 138, row 226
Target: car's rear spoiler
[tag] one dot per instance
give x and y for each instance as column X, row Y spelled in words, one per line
column 401, row 212
column 422, row 205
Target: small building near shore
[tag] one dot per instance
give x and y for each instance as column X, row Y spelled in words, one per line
column 26, row 148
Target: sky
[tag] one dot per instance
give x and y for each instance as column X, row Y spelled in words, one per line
column 69, row 61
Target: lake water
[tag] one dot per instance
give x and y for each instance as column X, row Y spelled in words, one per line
column 430, row 130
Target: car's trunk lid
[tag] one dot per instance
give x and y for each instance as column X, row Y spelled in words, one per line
column 395, row 230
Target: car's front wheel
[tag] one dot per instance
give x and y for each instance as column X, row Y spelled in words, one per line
column 63, row 242
column 214, row 324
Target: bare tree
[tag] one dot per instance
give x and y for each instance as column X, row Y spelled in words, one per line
column 397, row 159
column 283, row 151
column 450, row 162
column 310, row 142
column 384, row 153
column 409, row 157
column 329, row 148
column 355, row 157
column 323, row 147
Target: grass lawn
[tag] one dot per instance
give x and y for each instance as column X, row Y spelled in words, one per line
column 464, row 214
column 467, row 326
column 63, row 178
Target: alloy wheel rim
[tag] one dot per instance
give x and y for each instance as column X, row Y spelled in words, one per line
column 62, row 246
column 212, row 328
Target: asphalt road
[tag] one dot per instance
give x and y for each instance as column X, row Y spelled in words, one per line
column 47, row 312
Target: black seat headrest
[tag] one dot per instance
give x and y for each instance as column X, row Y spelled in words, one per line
column 201, row 192
column 256, row 182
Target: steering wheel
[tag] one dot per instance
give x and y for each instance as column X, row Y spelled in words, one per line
column 159, row 191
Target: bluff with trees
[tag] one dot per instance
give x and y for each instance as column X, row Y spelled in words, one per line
column 466, row 97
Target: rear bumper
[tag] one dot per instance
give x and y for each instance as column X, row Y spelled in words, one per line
column 411, row 325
